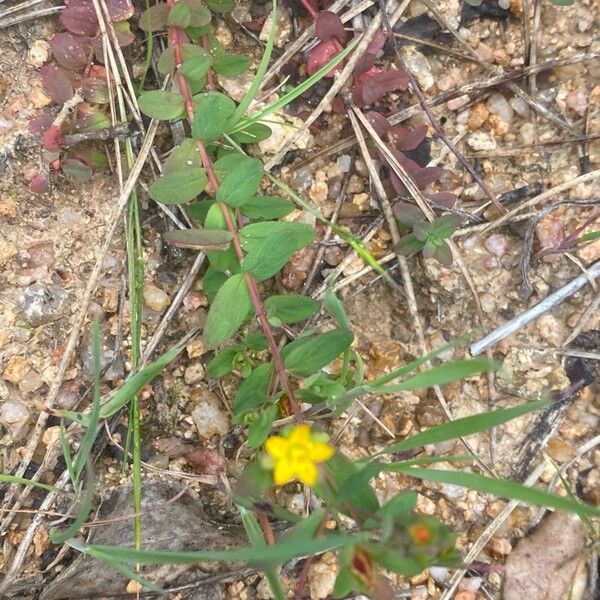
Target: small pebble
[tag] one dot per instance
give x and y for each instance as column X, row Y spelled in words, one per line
column 527, row 134
column 194, row 373
column 497, row 244
column 16, row 369
column 480, row 140
column 155, row 298
column 344, row 162
column 43, row 304
column 209, row 415
column 520, row 106
column 498, row 105
column 15, row 417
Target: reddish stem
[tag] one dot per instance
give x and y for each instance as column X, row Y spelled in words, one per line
column 176, row 37
column 309, row 8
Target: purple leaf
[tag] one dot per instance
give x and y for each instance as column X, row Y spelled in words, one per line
column 377, row 43
column 71, row 51
column 119, row 10
column 426, row 176
column 39, row 183
column 443, row 254
column 329, row 26
column 125, row 37
column 154, row 18
column 407, row 214
column 320, row 55
column 90, row 155
column 379, row 123
column 80, row 17
column 60, row 83
column 365, row 62
column 53, row 138
column 379, row 85
column 407, row 138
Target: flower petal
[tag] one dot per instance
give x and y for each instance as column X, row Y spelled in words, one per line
column 306, row 472
column 300, row 434
column 319, row 452
column 284, row 471
column 276, row 446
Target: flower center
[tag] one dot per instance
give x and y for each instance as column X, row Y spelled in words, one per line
column 297, row 452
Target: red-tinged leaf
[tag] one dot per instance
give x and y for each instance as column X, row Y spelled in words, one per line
column 426, row 176
column 95, row 90
column 90, row 118
column 79, row 17
column 90, row 155
column 380, row 84
column 71, row 51
column 365, row 62
column 119, row 10
column 445, row 199
column 362, row 78
column 422, row 230
column 377, row 43
column 40, row 123
column 39, row 183
column 53, row 138
column 329, row 26
column 407, row 138
column 379, row 123
column 77, row 170
column 206, row 462
column 59, row 83
column 337, row 106
column 443, row 255
column 320, row 55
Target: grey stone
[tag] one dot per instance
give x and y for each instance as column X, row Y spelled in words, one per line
column 179, row 525
column 43, row 304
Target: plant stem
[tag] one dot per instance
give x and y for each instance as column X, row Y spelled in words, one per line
column 176, row 37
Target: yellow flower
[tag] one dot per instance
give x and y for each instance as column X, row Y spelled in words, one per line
column 296, row 455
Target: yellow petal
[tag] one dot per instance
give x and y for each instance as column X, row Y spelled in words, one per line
column 306, row 472
column 276, row 446
column 284, row 471
column 320, row 451
column 300, row 434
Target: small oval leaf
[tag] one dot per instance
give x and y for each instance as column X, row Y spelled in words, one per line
column 161, row 105
column 178, row 187
column 198, row 239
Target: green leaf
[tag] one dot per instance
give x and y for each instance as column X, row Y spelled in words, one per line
column 161, row 105
column 154, row 18
column 225, row 164
column 556, row 2
column 179, row 15
column 252, row 134
column 212, row 281
column 213, row 109
column 179, row 186
column 290, row 308
column 198, row 239
column 199, row 14
column 195, row 70
column 465, row 426
column 189, row 52
column 240, row 183
column 219, row 5
column 439, row 375
column 504, row 488
column 231, row 65
column 259, row 429
column 222, row 363
column 266, row 207
column 271, row 244
column 409, row 245
column 309, row 354
column 221, row 260
column 393, row 560
column 183, row 157
column 228, row 311
column 13, row 479
column 333, row 305
column 590, row 236
column 253, row 391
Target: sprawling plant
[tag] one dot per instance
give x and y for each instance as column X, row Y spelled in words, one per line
column 289, row 377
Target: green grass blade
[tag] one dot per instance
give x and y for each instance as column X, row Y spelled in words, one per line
column 131, row 387
column 267, row 557
column 504, row 488
column 260, row 72
column 87, row 442
column 438, row 375
column 66, row 450
column 297, row 91
column 85, row 509
column 22, row 481
column 255, row 535
column 464, row 426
